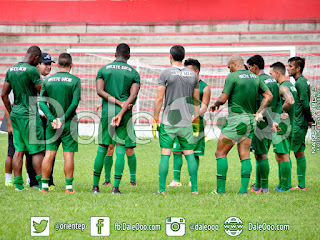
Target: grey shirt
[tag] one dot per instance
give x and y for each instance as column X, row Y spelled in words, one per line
column 179, row 83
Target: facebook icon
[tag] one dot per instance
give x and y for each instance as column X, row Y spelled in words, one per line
column 100, row 226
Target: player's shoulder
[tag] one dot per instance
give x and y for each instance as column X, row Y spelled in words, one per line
column 302, row 81
column 267, row 78
column 203, row 83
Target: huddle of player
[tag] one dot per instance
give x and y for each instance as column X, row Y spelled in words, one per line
column 262, row 109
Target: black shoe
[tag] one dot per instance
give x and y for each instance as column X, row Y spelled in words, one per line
column 95, row 189
column 106, row 183
column 115, row 190
column 133, row 183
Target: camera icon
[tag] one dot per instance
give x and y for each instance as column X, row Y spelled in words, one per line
column 175, row 226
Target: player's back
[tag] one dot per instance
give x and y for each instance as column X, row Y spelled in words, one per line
column 180, row 83
column 303, row 89
column 62, row 87
column 118, row 78
column 274, row 89
column 242, row 87
column 22, row 78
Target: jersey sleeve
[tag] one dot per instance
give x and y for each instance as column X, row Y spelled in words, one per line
column 162, row 81
column 35, row 76
column 7, row 77
column 136, row 78
column 228, row 84
column 262, row 86
column 43, row 102
column 99, row 74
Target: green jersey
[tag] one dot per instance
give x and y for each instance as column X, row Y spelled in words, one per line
column 243, row 87
column 22, row 78
column 118, row 78
column 303, row 114
column 274, row 88
column 202, row 86
column 65, row 89
column 291, row 111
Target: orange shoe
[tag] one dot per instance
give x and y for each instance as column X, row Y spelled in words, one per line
column 68, row 191
column 44, row 191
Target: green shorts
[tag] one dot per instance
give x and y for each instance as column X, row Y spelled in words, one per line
column 123, row 135
column 21, row 139
column 281, row 144
column 262, row 139
column 198, row 146
column 239, row 126
column 299, row 139
column 68, row 136
column 167, row 135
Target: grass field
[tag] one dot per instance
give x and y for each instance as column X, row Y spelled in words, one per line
column 139, row 204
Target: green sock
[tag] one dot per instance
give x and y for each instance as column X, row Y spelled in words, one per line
column 301, row 171
column 69, row 184
column 108, row 161
column 98, row 164
column 45, row 183
column 38, row 178
column 132, row 163
column 18, row 181
column 257, row 186
column 119, row 165
column 246, row 169
column 193, row 171
column 264, row 172
column 177, row 164
column 279, row 174
column 290, row 185
column 285, row 175
column 163, row 171
column 222, row 169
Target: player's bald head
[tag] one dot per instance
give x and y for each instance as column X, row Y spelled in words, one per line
column 236, row 63
column 237, row 59
column 123, row 50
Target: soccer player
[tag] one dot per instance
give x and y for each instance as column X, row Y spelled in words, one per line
column 199, row 146
column 262, row 139
column 282, row 140
column 24, row 79
column 241, row 88
column 180, row 88
column 303, row 118
column 118, row 84
column 63, row 90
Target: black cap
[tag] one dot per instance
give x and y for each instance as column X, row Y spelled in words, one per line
column 46, row 58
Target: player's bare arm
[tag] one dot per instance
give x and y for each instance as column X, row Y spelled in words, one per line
column 267, row 98
column 286, row 95
column 38, row 87
column 206, row 95
column 102, row 93
column 134, row 90
column 196, row 102
column 223, row 98
column 159, row 101
column 5, row 96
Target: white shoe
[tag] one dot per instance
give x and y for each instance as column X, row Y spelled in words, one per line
column 175, row 184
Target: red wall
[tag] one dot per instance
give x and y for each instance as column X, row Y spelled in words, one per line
column 128, row 11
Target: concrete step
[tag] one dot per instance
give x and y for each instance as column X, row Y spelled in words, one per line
column 226, row 26
column 213, row 37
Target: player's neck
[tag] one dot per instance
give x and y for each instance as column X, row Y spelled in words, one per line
column 297, row 75
column 176, row 64
column 66, row 69
column 282, row 79
column 261, row 72
column 121, row 59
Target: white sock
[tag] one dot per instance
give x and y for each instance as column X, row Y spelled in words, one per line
column 28, row 179
column 8, row 177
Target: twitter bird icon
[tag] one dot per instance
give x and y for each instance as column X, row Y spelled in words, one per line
column 40, row 226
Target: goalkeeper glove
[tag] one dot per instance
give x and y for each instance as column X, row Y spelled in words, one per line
column 196, row 126
column 155, row 126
